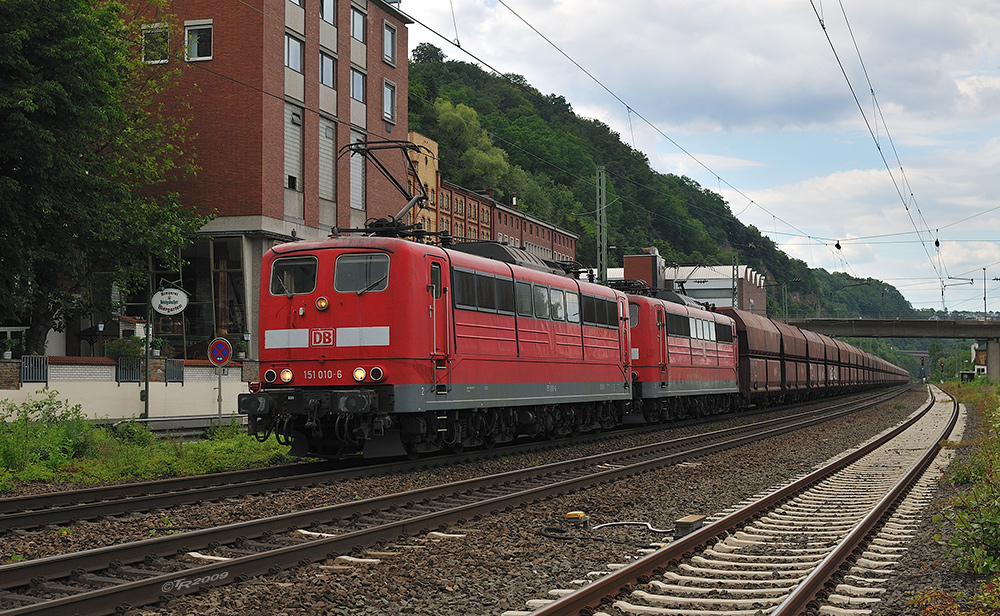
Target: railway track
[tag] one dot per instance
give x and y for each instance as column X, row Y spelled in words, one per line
column 838, row 528
column 66, row 507
column 138, row 573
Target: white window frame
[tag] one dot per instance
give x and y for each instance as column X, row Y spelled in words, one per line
column 294, row 52
column 389, row 43
column 388, row 101
column 328, row 11
column 157, row 28
column 324, row 59
column 296, row 2
column 358, row 24
column 190, row 28
column 358, row 85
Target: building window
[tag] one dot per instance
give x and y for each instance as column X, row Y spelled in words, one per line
column 357, row 85
column 389, row 101
column 328, row 11
column 296, row 2
column 389, row 43
column 293, row 148
column 293, row 53
column 198, row 42
column 358, row 201
column 357, row 25
column 327, row 69
column 327, row 159
column 154, row 44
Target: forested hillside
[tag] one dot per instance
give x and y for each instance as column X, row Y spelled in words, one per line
column 498, row 132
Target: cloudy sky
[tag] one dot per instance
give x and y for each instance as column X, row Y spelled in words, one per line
column 750, row 99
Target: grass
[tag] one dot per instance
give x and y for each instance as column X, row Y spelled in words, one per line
column 45, row 440
column 970, row 521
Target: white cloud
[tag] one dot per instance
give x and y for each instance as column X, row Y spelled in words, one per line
column 755, row 90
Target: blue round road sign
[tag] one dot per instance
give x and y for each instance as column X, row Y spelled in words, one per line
column 220, row 351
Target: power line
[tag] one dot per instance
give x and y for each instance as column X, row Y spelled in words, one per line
column 871, row 130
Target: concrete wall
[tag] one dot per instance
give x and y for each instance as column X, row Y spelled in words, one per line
column 92, row 385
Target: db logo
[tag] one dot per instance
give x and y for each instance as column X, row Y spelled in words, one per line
column 321, row 337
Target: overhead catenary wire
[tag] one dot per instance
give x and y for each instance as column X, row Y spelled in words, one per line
column 479, row 60
column 901, row 190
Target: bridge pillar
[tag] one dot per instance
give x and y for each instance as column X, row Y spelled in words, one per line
column 993, row 358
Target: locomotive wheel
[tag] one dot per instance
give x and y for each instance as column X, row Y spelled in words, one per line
column 411, row 452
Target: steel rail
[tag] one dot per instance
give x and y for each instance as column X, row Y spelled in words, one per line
column 609, row 586
column 805, row 595
column 69, row 506
column 147, row 591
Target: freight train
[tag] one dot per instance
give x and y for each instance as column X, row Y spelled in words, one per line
column 389, row 347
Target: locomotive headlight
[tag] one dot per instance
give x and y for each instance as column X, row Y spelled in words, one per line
column 359, row 374
column 322, row 303
column 376, row 373
column 270, row 375
column 285, row 375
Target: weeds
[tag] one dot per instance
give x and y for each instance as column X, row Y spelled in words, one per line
column 47, row 440
column 935, row 602
column 971, row 520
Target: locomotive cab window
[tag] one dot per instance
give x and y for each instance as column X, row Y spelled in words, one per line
column 361, row 273
column 293, row 275
column 436, row 280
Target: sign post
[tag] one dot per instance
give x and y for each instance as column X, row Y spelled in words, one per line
column 168, row 301
column 219, row 353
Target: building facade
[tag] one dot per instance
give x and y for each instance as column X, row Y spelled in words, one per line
column 477, row 216
column 275, row 91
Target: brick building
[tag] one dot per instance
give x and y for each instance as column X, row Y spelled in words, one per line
column 472, row 216
column 277, row 89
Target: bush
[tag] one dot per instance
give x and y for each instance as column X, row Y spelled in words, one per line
column 132, row 433
column 46, row 431
column 46, row 440
column 132, row 346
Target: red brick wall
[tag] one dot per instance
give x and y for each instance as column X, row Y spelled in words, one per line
column 10, row 374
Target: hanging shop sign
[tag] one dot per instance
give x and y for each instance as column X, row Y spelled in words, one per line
column 169, row 301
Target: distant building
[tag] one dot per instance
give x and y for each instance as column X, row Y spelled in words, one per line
column 708, row 284
column 279, row 87
column 476, row 216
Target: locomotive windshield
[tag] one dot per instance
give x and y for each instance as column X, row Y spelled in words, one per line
column 361, row 273
column 293, row 276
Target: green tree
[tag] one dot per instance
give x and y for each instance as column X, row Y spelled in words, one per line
column 467, row 153
column 84, row 142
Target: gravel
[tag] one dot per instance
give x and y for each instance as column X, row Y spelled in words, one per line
column 510, row 557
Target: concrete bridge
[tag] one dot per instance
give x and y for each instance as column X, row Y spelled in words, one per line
column 914, row 328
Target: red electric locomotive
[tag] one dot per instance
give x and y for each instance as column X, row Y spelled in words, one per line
column 684, row 360
column 390, row 347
